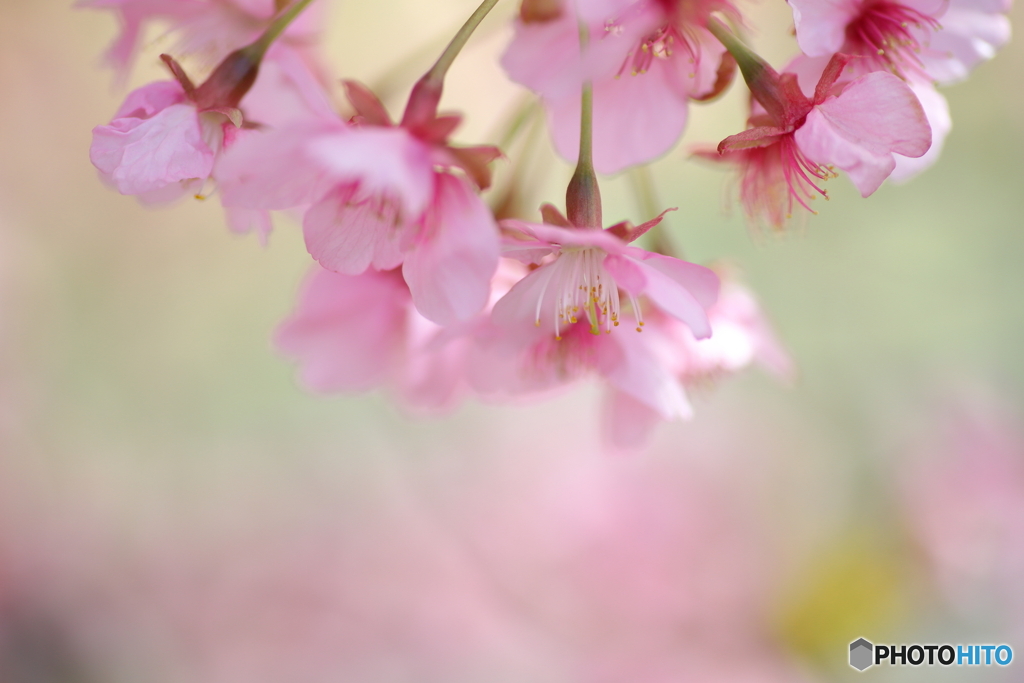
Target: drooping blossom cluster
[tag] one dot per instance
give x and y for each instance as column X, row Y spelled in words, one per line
column 431, row 290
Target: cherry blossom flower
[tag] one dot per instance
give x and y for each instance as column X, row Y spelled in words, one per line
column 380, row 196
column 157, row 139
column 647, row 59
column 586, row 270
column 936, row 109
column 921, row 40
column 795, row 142
column 560, row 322
column 391, row 344
column 164, row 138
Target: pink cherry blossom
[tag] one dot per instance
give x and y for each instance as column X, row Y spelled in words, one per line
column 797, row 142
column 379, row 196
column 540, row 341
column 928, row 40
column 936, row 109
column 359, row 332
column 647, row 59
column 157, row 139
column 583, row 276
column 352, row 333
column 167, row 139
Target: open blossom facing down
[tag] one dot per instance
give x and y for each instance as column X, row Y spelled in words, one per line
column 646, row 58
column 923, row 41
column 155, row 140
column 581, row 310
column 583, row 276
column 359, row 332
column 380, row 196
column 796, row 142
column 164, row 139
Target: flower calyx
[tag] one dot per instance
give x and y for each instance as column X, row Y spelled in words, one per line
column 786, row 106
column 433, row 131
column 223, row 91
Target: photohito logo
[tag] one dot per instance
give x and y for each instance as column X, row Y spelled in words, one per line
column 865, row 654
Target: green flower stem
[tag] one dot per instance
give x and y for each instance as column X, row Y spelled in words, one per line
column 426, row 94
column 583, row 196
column 282, row 22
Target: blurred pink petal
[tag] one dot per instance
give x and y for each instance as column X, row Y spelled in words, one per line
column 924, row 40
column 874, row 117
column 347, row 331
column 646, row 60
column 450, row 272
column 157, row 144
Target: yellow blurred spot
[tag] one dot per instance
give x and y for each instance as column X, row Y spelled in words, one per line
column 855, row 588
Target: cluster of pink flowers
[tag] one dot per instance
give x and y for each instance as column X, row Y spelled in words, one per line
column 424, row 289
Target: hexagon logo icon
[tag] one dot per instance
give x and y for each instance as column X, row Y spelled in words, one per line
column 861, row 652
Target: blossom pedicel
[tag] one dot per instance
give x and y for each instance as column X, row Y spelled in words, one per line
column 422, row 291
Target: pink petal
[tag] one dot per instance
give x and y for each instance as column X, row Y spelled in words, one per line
column 628, row 423
column 382, row 162
column 274, row 169
column 580, row 237
column 346, row 332
column 545, row 56
column 146, row 101
column 286, row 90
column 450, row 267
column 683, row 290
column 821, row 24
column 629, row 365
column 348, row 236
column 244, row 221
column 433, row 375
column 937, row 110
column 141, row 155
column 858, row 131
column 636, row 118
column 971, row 32
column 808, row 71
column 526, row 303
column 526, row 251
